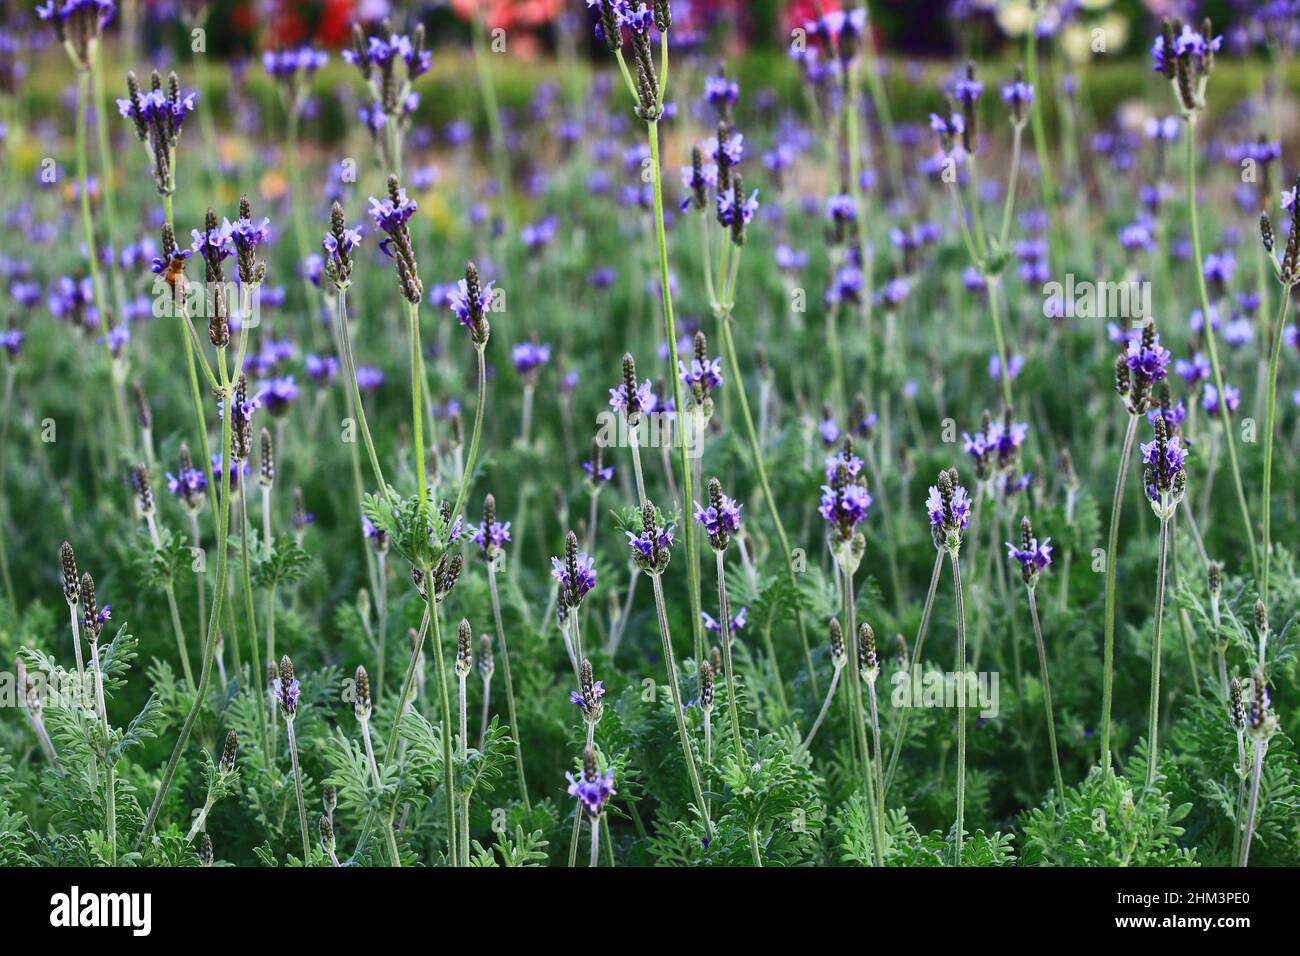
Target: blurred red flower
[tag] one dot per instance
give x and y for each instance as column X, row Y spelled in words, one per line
column 799, row 12
column 524, row 14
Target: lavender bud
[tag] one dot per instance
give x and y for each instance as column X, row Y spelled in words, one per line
column 1263, row 722
column 868, row 663
column 361, row 707
column 838, row 656
column 143, row 414
column 590, row 691
column 464, row 649
column 205, row 850
column 90, row 620
column 228, row 753
column 706, row 686
column 71, row 586
column 267, row 476
column 1214, row 576
column 1236, row 705
column 326, row 834
column 446, row 575
column 663, row 14
column 286, row 689
column 485, row 664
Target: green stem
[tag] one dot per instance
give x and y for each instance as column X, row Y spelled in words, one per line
column 1190, row 162
column 915, row 669
column 510, row 687
column 349, row 365
column 724, row 620
column 258, row 675
column 444, row 699
column 110, row 794
column 1047, row 695
column 205, row 672
column 417, row 411
column 1270, row 415
column 961, row 709
column 693, row 575
column 478, row 430
column 768, row 498
column 1112, row 558
column 1153, row 724
column 297, row 787
column 671, row 665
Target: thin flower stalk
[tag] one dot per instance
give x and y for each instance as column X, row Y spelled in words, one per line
column 756, row 453
column 915, row 675
column 1189, row 161
column 670, row 326
column 673, row 688
column 1270, row 419
column 959, row 828
column 1112, row 559
column 205, row 671
column 510, row 687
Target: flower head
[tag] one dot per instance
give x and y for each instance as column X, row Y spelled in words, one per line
column 721, row 519
column 576, row 574
column 1032, row 555
column 592, row 789
column 948, row 506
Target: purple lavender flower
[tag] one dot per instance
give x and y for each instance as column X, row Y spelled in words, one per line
column 332, row 246
column 948, row 506
column 738, row 621
column 1148, row 359
column 576, row 574
column 851, row 462
column 1018, row 95
column 369, row 378
column 727, row 206
column 529, row 357
column 1173, row 416
column 538, row 234
column 706, row 374
column 592, row 791
column 11, row 340
column 841, row 208
column 278, row 394
column 1164, row 458
column 389, row 215
column 322, row 369
column 844, row 508
column 720, row 519
column 829, row 430
column 458, row 300
column 644, row 397
column 286, row 695
column 285, row 64
column 720, row 92
column 237, row 469
column 1210, row 398
column 188, row 484
column 1034, row 557
column 492, row 536
column 597, row 691
column 967, row 91
column 650, row 541
column 1014, row 364
column 1219, row 267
